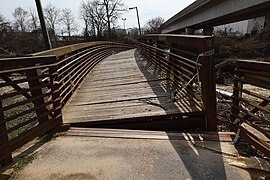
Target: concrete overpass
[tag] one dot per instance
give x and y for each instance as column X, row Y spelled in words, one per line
column 205, row 14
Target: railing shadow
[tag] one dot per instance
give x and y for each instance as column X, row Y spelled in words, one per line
column 161, row 85
column 29, row 149
column 200, row 162
column 196, row 159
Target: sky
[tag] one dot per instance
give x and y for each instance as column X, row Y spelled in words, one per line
column 147, row 9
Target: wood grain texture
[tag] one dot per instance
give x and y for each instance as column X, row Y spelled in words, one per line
column 121, row 87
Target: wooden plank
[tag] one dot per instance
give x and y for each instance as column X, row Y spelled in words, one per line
column 150, row 104
column 143, row 85
column 116, row 114
column 161, row 135
column 10, row 118
column 33, row 133
column 15, row 86
column 123, row 89
column 174, row 122
column 254, row 82
column 24, row 102
column 5, row 154
column 125, row 83
column 256, row 66
column 24, row 91
column 266, row 99
column 16, row 127
column 76, row 84
column 118, row 88
column 252, row 104
column 18, row 81
column 251, row 137
column 118, row 97
column 26, row 61
column 258, row 128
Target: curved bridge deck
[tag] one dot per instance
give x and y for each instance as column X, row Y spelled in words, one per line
column 122, row 91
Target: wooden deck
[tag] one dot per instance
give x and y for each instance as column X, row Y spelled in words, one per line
column 121, row 89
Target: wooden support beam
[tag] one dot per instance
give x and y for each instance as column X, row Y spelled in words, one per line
column 208, row 84
column 15, row 86
column 36, row 93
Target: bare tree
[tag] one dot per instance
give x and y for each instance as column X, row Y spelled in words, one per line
column 152, row 25
column 52, row 16
column 95, row 15
column 21, row 19
column 33, row 21
column 69, row 21
column 2, row 19
column 113, row 11
column 85, row 16
column 98, row 15
column 4, row 23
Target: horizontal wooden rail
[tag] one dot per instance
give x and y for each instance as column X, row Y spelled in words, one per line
column 251, row 109
column 186, row 60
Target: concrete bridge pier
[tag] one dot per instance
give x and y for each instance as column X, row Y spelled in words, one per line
column 190, row 31
column 208, row 31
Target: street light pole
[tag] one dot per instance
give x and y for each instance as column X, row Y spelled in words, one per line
column 137, row 18
column 124, row 20
column 43, row 25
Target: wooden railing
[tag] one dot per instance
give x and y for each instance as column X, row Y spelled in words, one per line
column 250, row 117
column 34, row 89
column 75, row 62
column 186, row 60
column 28, row 106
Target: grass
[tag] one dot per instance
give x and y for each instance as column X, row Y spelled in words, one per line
column 50, row 136
column 25, row 161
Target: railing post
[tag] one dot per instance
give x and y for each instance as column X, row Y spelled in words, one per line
column 57, row 106
column 5, row 152
column 236, row 93
column 158, row 55
column 171, row 71
column 208, row 85
column 35, row 93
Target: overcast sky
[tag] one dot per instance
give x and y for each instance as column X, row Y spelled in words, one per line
column 147, row 8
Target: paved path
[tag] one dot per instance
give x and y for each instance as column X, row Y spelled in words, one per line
column 121, row 87
column 81, row 157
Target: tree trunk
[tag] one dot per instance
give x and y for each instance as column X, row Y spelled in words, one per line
column 108, row 21
column 267, row 23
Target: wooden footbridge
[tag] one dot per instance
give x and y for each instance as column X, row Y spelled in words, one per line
column 121, row 92
column 166, row 83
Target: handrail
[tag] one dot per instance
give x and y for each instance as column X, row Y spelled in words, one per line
column 173, row 56
column 70, row 48
column 178, row 56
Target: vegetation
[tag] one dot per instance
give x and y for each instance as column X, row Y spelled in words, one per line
column 100, row 17
column 152, row 26
column 25, row 160
column 233, row 44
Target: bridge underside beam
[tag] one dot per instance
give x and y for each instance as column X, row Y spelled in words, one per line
column 207, row 14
